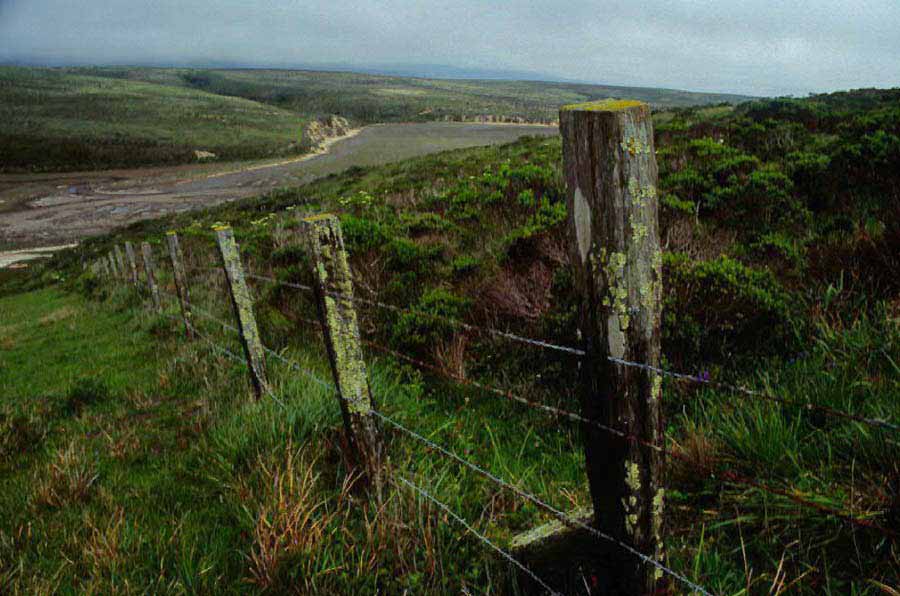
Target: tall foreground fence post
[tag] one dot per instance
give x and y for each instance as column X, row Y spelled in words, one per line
column 132, row 263
column 150, row 273
column 243, row 309
column 180, row 277
column 611, row 177
column 334, row 299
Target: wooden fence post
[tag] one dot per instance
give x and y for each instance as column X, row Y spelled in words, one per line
column 120, row 261
column 180, row 277
column 334, row 298
column 132, row 263
column 114, row 269
column 150, row 273
column 611, row 177
column 243, row 309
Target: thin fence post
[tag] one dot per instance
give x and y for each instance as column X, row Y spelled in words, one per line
column 132, row 263
column 242, row 303
column 150, row 273
column 114, row 268
column 120, row 261
column 334, row 298
column 611, row 179
column 180, row 277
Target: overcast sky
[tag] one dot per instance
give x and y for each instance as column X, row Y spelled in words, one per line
column 762, row 47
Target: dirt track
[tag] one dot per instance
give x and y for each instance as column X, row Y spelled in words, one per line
column 58, row 209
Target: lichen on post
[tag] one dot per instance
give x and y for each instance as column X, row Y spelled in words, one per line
column 334, row 298
column 132, row 263
column 611, row 179
column 150, row 273
column 242, row 303
column 178, row 273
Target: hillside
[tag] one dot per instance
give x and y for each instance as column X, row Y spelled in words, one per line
column 780, row 223
column 50, row 120
column 101, row 118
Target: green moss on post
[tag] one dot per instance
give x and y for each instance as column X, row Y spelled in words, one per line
column 132, row 263
column 242, row 303
column 334, row 296
column 178, row 273
column 611, row 179
column 150, row 274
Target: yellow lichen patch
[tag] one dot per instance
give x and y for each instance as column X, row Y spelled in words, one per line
column 633, row 485
column 634, row 146
column 604, row 105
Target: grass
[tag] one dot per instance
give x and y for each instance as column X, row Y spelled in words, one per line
column 257, row 496
column 55, row 121
column 101, row 118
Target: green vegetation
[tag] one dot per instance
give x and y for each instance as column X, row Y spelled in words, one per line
column 780, row 220
column 50, row 120
column 98, row 118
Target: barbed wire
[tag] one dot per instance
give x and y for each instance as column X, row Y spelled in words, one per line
column 568, row 520
column 476, row 533
column 451, row 320
column 876, row 422
column 729, row 475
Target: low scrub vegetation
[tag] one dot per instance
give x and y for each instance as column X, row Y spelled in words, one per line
column 778, row 275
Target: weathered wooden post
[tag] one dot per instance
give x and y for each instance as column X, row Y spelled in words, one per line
column 132, row 263
column 114, row 268
column 180, row 277
column 150, row 273
column 611, row 177
column 334, row 298
column 120, row 260
column 243, row 309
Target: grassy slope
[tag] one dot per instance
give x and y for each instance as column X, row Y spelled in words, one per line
column 52, row 120
column 378, row 98
column 95, row 118
column 434, row 226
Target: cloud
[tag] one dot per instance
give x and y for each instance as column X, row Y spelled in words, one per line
column 752, row 46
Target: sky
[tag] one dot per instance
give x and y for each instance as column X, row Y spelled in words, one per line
column 756, row 47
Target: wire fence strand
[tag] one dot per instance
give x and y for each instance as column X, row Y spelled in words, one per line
column 568, row 520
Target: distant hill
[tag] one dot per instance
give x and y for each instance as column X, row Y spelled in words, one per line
column 98, row 117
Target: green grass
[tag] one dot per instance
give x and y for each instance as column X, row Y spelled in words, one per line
column 809, row 312
column 97, row 118
column 54, row 121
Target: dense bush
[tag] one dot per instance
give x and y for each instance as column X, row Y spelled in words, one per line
column 714, row 309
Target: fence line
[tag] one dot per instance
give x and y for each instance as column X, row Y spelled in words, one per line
column 678, row 376
column 729, row 475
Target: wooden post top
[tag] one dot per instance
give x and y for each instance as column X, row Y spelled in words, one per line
column 606, row 105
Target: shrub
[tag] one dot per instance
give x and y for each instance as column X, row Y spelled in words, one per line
column 361, row 234
column 418, row 330
column 715, row 308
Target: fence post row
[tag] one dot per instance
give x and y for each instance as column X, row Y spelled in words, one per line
column 334, row 301
column 150, row 272
column 132, row 263
column 180, row 277
column 120, row 260
column 611, row 179
column 243, row 309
